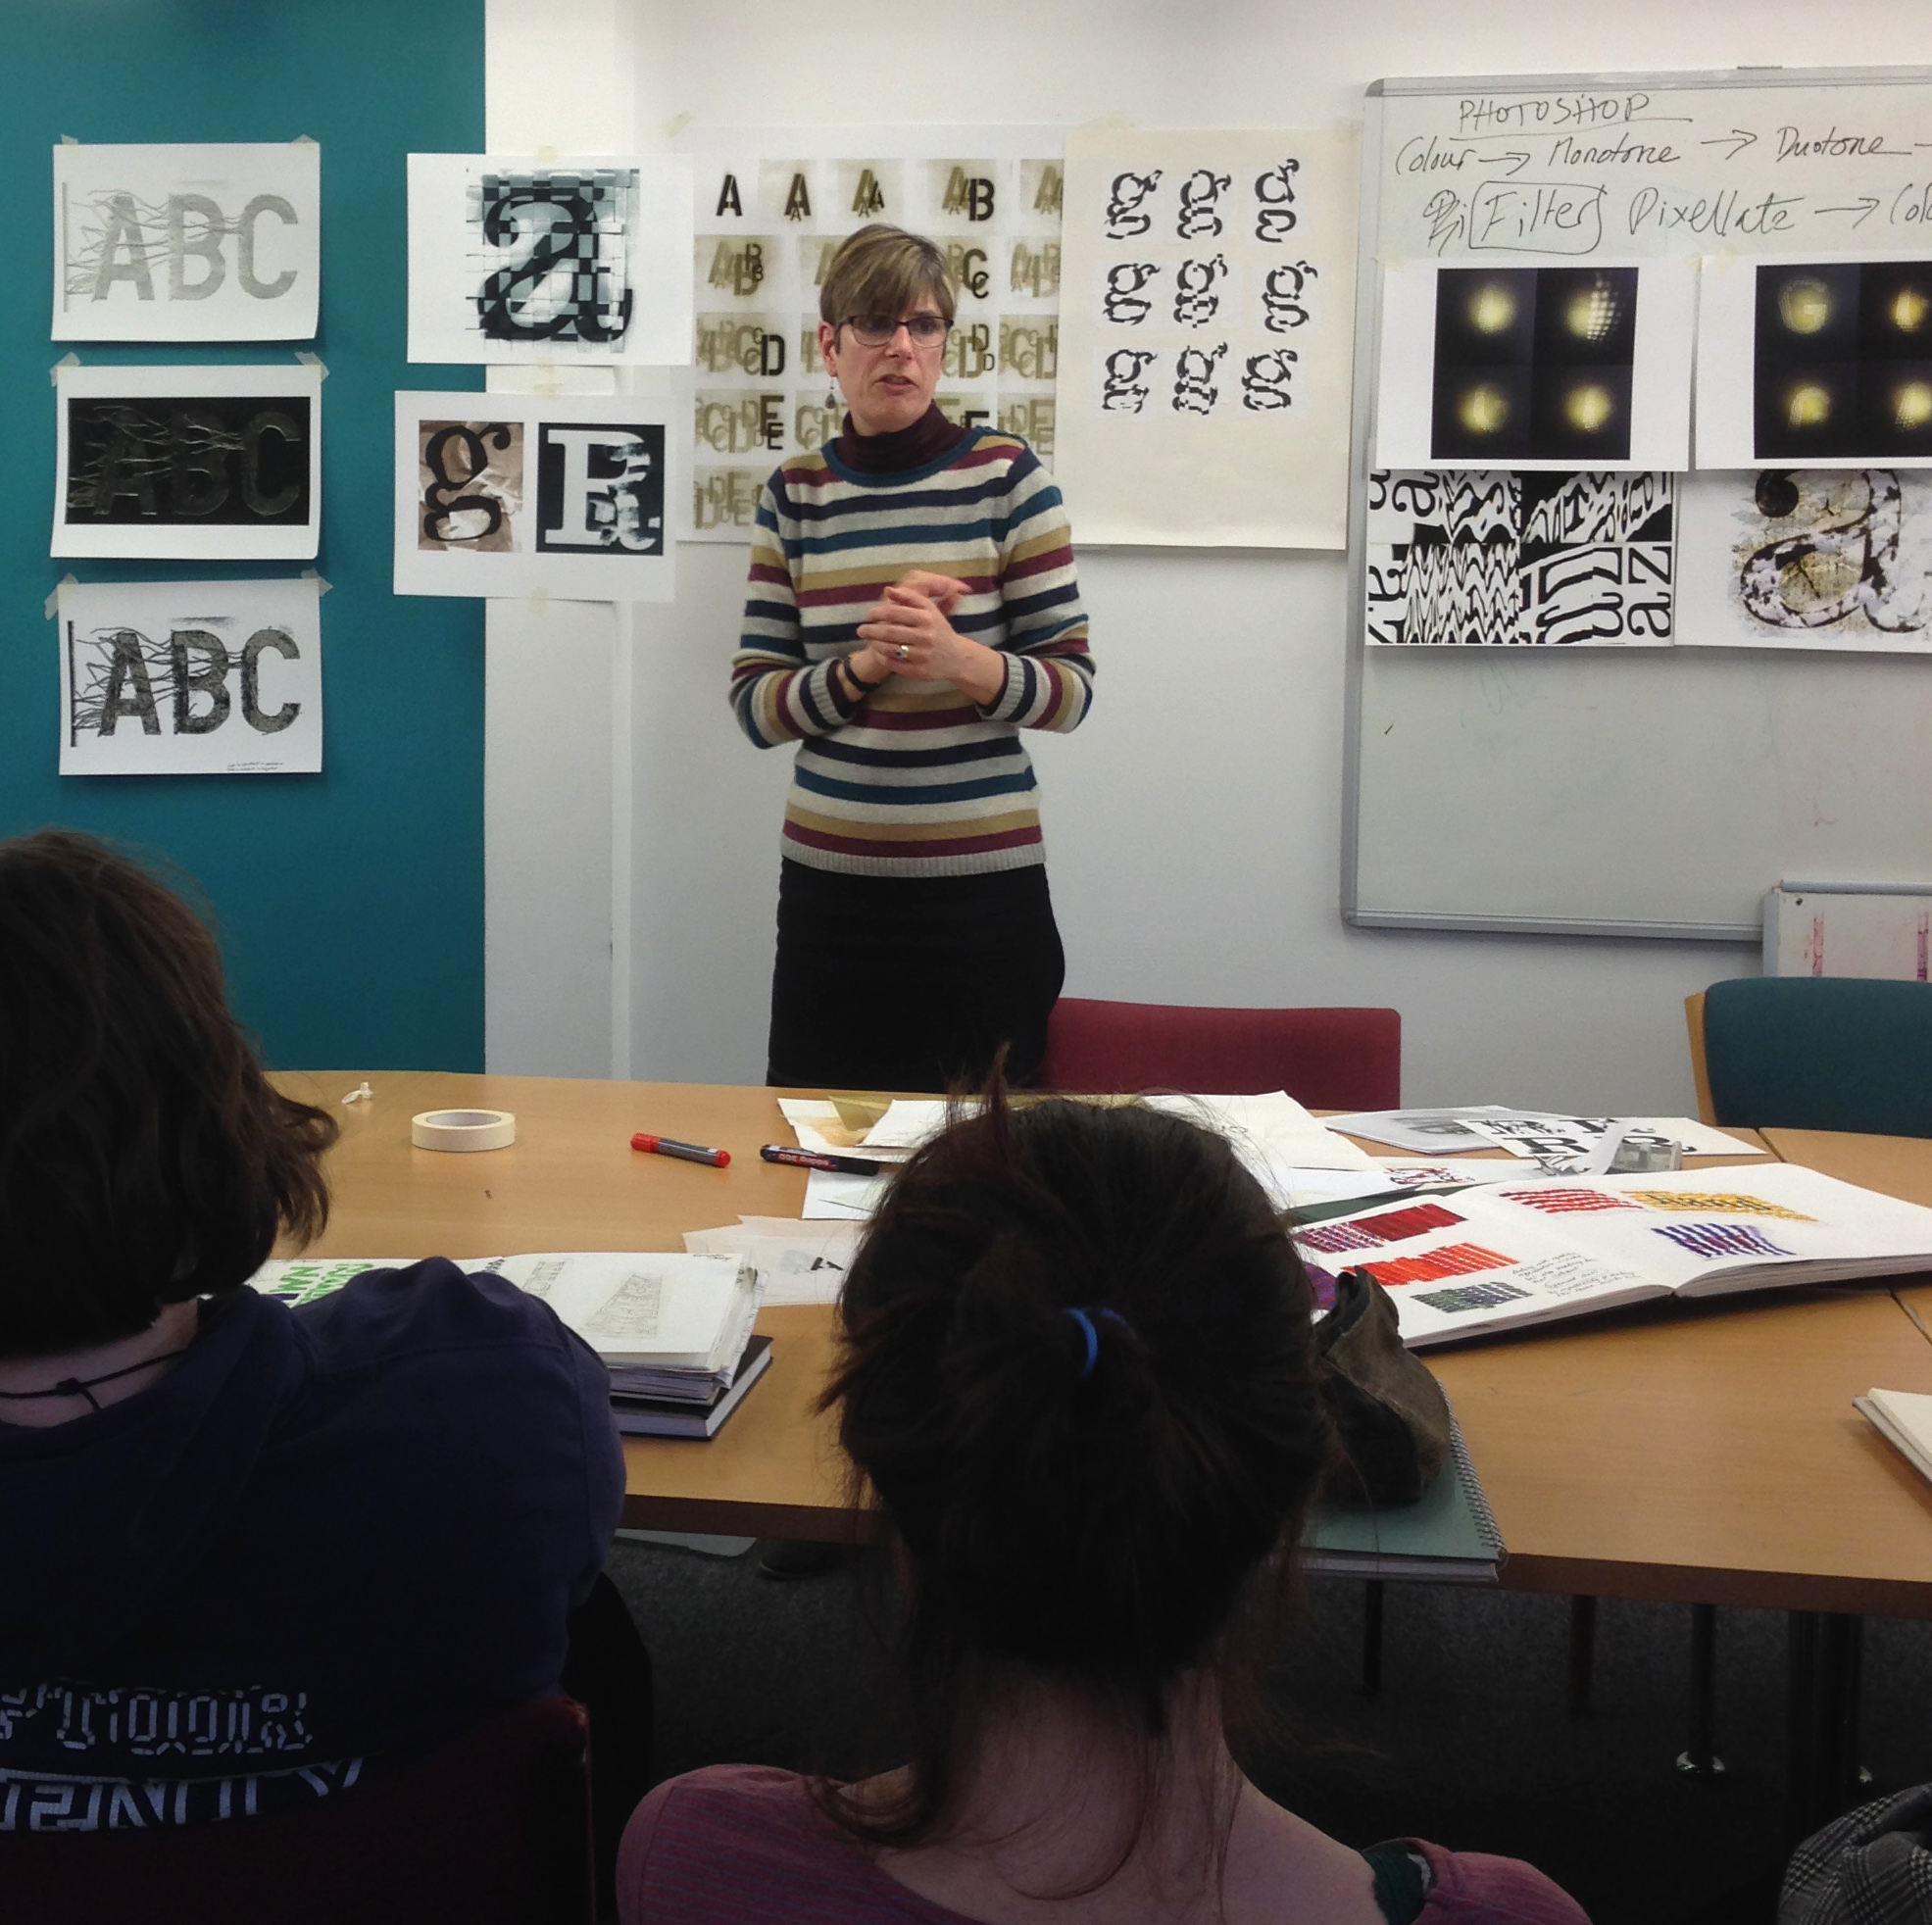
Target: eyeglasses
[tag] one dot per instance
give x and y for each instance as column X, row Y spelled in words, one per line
column 878, row 330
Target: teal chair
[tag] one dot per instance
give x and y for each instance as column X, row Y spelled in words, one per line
column 1831, row 1053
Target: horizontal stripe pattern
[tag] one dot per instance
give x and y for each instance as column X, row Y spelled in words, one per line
column 917, row 779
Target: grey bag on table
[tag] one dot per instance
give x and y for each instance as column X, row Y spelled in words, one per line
column 1873, row 1866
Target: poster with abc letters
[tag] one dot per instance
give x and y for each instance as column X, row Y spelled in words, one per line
column 187, row 242
column 509, row 494
column 190, row 677
column 772, row 207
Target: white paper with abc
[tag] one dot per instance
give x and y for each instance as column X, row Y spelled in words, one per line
column 1208, row 334
column 190, row 677
column 507, row 494
column 187, row 243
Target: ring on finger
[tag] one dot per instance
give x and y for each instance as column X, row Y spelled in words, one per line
column 903, row 653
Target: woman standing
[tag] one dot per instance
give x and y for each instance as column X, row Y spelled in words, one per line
column 911, row 607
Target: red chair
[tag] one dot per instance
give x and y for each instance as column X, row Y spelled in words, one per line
column 1325, row 1058
column 495, row 1830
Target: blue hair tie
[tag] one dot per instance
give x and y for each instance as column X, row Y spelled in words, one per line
column 1085, row 1319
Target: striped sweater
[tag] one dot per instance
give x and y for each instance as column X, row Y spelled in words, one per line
column 917, row 779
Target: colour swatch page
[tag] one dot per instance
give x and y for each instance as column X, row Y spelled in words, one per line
column 1514, row 1253
column 1459, row 1266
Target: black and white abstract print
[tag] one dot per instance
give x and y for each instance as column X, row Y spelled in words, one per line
column 1809, row 558
column 1489, row 557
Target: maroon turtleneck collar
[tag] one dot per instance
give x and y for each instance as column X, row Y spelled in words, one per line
column 925, row 441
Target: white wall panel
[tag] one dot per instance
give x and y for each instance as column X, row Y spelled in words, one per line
column 1193, row 823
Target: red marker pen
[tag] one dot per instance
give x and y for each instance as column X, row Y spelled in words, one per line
column 690, row 1152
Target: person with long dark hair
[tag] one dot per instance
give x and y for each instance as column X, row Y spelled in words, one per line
column 1078, row 1374
column 250, row 1556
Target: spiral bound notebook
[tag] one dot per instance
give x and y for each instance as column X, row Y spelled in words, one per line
column 1448, row 1536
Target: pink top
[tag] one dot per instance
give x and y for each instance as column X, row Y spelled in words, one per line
column 742, row 1842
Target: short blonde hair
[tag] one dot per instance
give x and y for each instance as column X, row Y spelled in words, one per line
column 883, row 271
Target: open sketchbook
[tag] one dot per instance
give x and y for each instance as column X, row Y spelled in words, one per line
column 1506, row 1255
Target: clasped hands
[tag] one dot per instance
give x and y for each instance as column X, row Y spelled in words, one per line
column 908, row 634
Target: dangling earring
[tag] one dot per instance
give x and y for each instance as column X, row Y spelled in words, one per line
column 831, row 393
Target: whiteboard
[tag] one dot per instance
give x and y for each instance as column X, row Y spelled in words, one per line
column 1654, row 792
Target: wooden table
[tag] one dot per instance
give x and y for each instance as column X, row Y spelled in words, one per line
column 1900, row 1165
column 1697, row 1451
column 1705, row 1453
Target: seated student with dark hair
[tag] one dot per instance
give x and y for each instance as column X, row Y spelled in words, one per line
column 1079, row 1373
column 252, row 1554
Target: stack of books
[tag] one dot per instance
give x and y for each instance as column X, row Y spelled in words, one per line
column 673, row 1330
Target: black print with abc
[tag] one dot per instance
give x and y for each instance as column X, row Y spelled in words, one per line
column 159, row 462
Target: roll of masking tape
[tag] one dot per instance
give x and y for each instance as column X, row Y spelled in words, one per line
column 463, row 1129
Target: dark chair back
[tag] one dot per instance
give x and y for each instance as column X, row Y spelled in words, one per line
column 1838, row 1052
column 493, row 1831
column 1325, row 1058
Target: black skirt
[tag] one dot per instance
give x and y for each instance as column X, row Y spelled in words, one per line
column 911, row 983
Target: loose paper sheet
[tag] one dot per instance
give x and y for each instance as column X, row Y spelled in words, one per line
column 818, row 1124
column 1433, row 1130
column 1300, row 1188
column 833, row 1194
column 1808, row 558
column 1208, row 329
column 1482, row 558
column 773, row 204
column 195, row 463
column 1696, row 1139
column 1536, row 368
column 1280, row 1143
column 1814, row 361
column 1486, row 1126
column 796, row 1261
column 500, row 494
column 513, row 259
column 190, row 677
column 187, row 243
column 1271, row 1131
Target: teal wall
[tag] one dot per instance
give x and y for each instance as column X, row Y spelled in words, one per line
column 351, row 902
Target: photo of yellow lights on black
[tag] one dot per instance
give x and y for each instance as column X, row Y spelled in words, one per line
column 1533, row 364
column 1843, row 362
